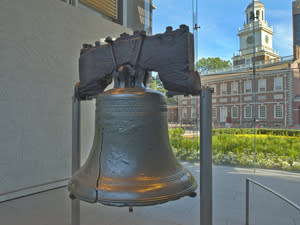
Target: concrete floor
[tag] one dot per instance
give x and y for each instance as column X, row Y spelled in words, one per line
column 53, row 207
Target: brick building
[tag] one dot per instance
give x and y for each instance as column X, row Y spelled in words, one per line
column 274, row 103
column 271, row 96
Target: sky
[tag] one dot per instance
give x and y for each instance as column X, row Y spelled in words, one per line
column 220, row 20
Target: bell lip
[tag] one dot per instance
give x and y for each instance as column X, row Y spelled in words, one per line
column 138, row 202
column 135, row 91
column 134, row 202
column 149, row 201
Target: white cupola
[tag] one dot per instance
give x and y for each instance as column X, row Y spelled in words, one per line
column 256, row 34
column 259, row 12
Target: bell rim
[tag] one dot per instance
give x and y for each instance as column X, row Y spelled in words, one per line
column 148, row 201
column 134, row 91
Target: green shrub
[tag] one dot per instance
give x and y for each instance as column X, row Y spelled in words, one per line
column 267, row 149
column 268, row 131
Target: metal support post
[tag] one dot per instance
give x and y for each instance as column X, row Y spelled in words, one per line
column 206, row 156
column 247, row 202
column 75, row 220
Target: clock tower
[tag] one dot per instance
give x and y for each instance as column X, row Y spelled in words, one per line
column 260, row 36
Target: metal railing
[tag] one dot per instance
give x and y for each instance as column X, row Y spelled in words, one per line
column 31, row 187
column 248, row 180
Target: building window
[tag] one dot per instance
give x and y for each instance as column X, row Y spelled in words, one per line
column 262, row 112
column 214, row 112
column 215, row 89
column 278, row 111
column 234, row 88
column 247, row 86
column 223, row 89
column 184, row 113
column 251, row 16
column 223, row 114
column 194, row 101
column 247, row 112
column 235, row 112
column 262, row 85
column 193, row 112
column 278, row 84
column 257, row 14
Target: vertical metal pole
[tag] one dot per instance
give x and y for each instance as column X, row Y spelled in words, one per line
column 205, row 156
column 75, row 220
column 247, row 202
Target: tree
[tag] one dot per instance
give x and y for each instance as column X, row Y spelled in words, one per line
column 212, row 63
column 157, row 85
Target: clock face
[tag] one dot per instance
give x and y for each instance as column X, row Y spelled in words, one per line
column 250, row 39
column 267, row 39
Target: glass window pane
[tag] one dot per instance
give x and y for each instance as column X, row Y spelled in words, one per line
column 278, row 85
column 247, row 86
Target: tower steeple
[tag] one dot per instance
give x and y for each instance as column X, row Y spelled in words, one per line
column 258, row 14
column 260, row 36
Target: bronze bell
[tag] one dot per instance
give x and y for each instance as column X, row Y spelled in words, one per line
column 131, row 162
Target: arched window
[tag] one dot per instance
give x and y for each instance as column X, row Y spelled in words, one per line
column 257, row 14
column 251, row 16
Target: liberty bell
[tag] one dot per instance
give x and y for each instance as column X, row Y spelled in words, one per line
column 131, row 162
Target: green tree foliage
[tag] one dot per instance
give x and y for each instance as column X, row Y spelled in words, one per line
column 157, row 85
column 212, row 63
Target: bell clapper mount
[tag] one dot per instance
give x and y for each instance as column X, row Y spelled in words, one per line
column 128, row 76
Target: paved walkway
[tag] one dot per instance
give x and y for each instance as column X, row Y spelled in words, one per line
column 53, row 207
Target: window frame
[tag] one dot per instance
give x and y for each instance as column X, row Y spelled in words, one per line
column 222, row 86
column 276, row 81
column 259, row 112
column 275, row 111
column 247, row 83
column 193, row 112
column 245, row 107
column 214, row 112
column 237, row 111
column 234, row 85
column 184, row 113
column 260, row 82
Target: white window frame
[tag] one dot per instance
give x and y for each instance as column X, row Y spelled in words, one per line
column 278, row 81
column 214, row 112
column 275, row 111
column 248, row 86
column 237, row 111
column 259, row 112
column 234, row 88
column 222, row 118
column 245, row 110
column 193, row 112
column 262, row 85
column 223, row 89
column 184, row 113
column 194, row 101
